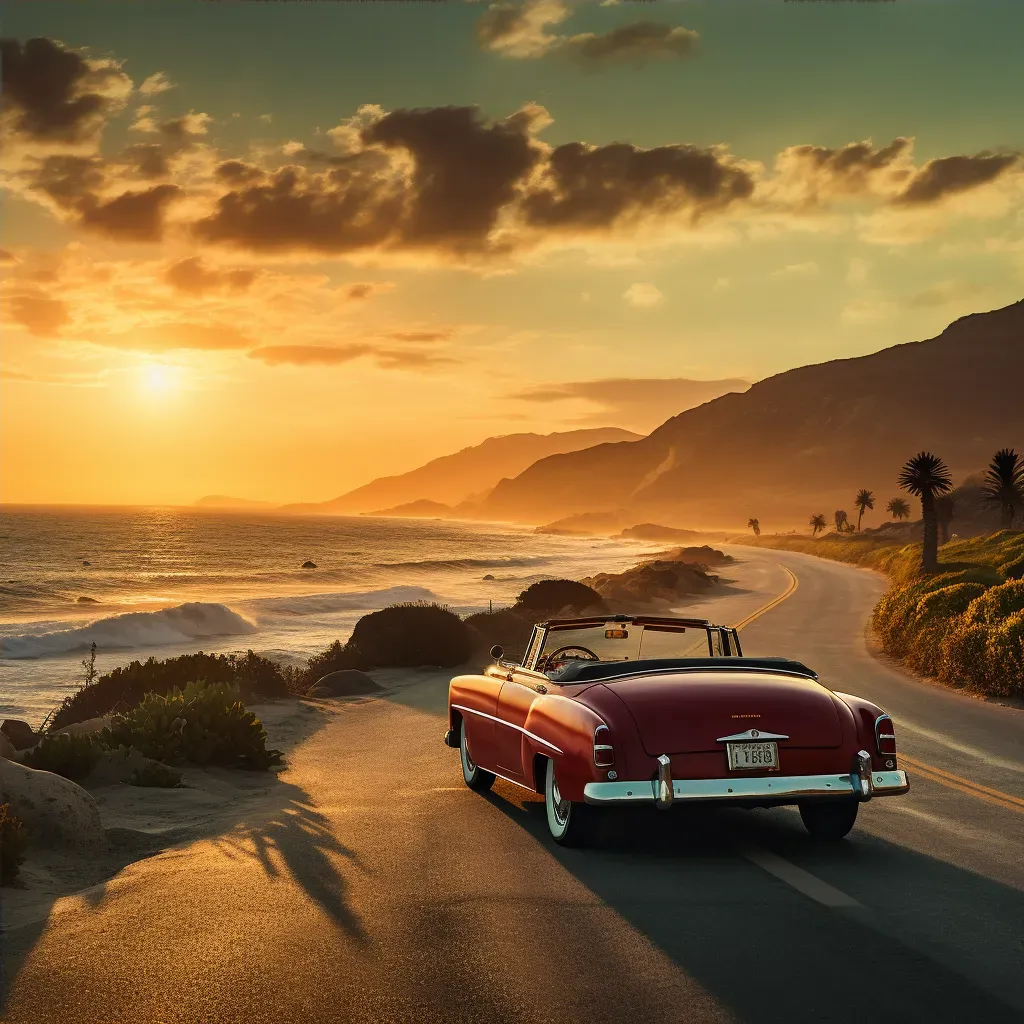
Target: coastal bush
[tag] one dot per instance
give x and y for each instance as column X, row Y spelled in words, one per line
column 13, row 840
column 1004, row 657
column 124, row 687
column 406, row 635
column 962, row 654
column 997, row 603
column 206, row 723
column 155, row 775
column 74, row 757
column 504, row 627
column 548, row 598
column 333, row 659
column 931, row 620
column 1013, row 569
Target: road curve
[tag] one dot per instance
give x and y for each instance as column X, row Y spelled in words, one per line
column 375, row 887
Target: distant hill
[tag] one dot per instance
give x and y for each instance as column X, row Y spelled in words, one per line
column 803, row 441
column 421, row 509
column 454, row 478
column 226, row 501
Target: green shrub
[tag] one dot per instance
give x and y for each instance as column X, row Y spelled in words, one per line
column 205, row 723
column 1014, row 569
column 155, row 775
column 962, row 659
column 504, row 627
column 931, row 622
column 123, row 688
column 407, row 635
column 997, row 603
column 13, row 840
column 1004, row 657
column 548, row 598
column 74, row 757
column 335, row 658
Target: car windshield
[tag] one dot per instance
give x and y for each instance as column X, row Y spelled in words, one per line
column 627, row 641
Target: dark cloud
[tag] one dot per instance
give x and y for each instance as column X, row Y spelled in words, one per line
column 637, row 42
column 641, row 403
column 466, row 170
column 131, row 216
column 951, row 174
column 7, row 257
column 193, row 277
column 69, row 181
column 146, row 160
column 37, row 313
column 53, row 94
column 595, row 186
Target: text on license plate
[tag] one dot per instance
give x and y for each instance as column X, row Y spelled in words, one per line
column 752, row 755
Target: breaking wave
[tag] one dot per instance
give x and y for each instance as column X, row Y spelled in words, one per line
column 469, row 563
column 132, row 629
column 312, row 604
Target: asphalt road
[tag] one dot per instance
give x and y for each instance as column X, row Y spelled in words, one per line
column 376, row 887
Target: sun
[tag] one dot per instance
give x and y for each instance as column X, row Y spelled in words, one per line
column 158, row 379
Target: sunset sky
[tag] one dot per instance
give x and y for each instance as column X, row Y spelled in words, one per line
column 276, row 249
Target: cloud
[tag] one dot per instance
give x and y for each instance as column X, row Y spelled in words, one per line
column 193, row 277
column 56, row 95
column 39, row 314
column 156, row 83
column 634, row 43
column 403, row 359
column 858, row 271
column 643, row 295
column 953, row 174
column 520, row 31
column 360, row 290
column 641, row 403
column 809, row 269
column 131, row 216
column 173, row 335
column 7, row 257
column 869, row 309
column 428, row 337
column 309, row 355
column 948, row 292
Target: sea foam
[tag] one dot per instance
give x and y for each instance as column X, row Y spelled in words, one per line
column 180, row 624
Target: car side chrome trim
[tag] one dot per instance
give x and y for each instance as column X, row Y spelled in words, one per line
column 501, row 721
column 794, row 787
column 751, row 734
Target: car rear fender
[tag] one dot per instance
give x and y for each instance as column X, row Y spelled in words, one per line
column 561, row 730
column 865, row 714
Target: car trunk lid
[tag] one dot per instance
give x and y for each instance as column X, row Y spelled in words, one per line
column 690, row 712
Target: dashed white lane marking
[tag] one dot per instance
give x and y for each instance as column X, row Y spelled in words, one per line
column 803, row 881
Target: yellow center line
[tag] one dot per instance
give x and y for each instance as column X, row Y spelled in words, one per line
column 787, row 593
column 928, row 771
column 945, row 778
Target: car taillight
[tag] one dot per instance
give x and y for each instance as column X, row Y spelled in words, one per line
column 885, row 735
column 604, row 752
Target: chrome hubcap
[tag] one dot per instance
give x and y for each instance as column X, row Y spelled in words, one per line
column 559, row 807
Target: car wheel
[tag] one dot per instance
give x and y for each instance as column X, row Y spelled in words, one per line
column 831, row 821
column 475, row 776
column 568, row 822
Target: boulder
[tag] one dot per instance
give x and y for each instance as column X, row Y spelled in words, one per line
column 309, row 565
column 346, row 682
column 117, row 766
column 21, row 734
column 55, row 810
column 7, row 748
column 89, row 727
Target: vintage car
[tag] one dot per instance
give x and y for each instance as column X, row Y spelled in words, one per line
column 615, row 710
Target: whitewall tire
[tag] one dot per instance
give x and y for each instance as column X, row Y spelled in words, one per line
column 475, row 776
column 567, row 822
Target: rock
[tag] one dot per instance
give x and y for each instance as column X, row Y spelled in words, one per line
column 6, row 748
column 489, row 576
column 115, row 766
column 87, row 600
column 87, row 728
column 84, row 562
column 308, row 565
column 55, row 810
column 346, row 682
column 21, row 734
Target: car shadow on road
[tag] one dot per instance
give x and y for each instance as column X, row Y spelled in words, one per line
column 688, row 881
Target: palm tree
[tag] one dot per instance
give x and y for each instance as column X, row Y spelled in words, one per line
column 1004, row 484
column 898, row 508
column 755, row 526
column 944, row 507
column 865, row 499
column 818, row 523
column 926, row 477
column 841, row 520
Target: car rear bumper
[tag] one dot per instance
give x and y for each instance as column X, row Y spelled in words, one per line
column 664, row 791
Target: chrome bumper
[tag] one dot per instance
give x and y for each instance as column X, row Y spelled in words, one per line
column 663, row 791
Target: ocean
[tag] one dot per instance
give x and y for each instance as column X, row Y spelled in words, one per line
column 141, row 582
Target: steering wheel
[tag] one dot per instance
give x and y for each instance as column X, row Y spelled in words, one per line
column 571, row 652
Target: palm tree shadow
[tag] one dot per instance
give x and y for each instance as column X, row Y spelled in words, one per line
column 298, row 841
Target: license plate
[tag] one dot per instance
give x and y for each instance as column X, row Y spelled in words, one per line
column 749, row 756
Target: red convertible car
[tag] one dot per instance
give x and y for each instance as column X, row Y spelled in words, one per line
column 613, row 710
